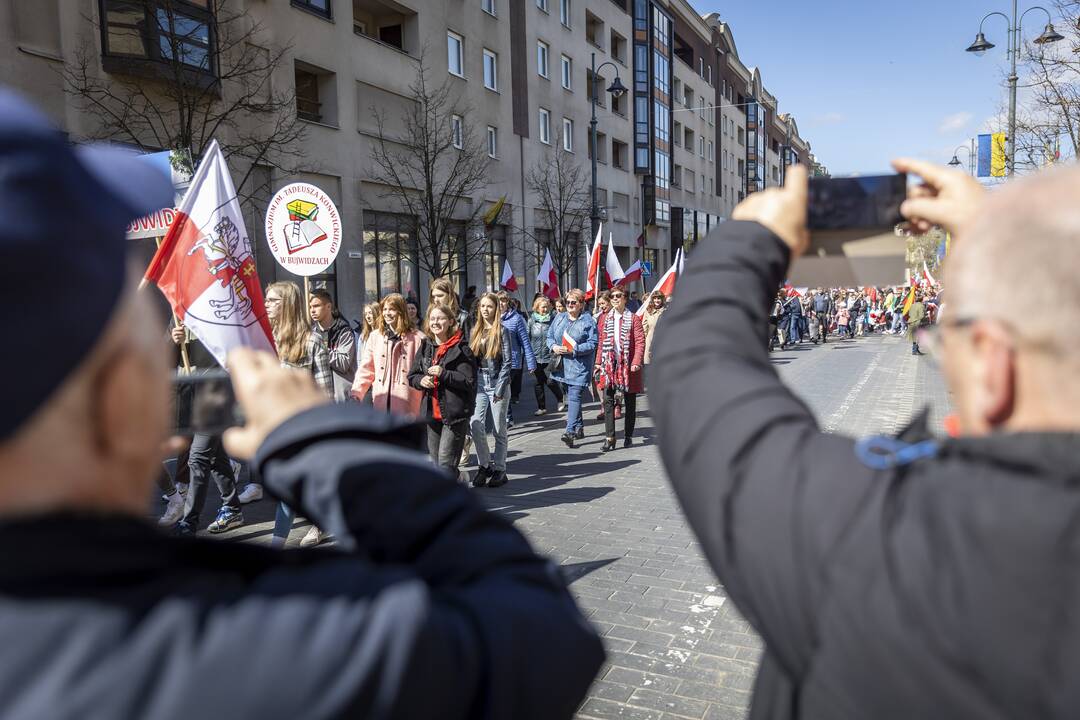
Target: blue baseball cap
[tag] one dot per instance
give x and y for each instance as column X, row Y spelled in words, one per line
column 64, row 212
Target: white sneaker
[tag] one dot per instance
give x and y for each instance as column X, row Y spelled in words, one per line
column 173, row 511
column 314, row 537
column 562, row 407
column 251, row 493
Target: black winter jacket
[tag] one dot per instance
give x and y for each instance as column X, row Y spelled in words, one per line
column 942, row 587
column 457, row 384
column 431, row 606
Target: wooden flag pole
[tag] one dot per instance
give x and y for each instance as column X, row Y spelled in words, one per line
column 177, row 324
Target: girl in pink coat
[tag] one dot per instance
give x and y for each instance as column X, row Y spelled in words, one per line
column 386, row 360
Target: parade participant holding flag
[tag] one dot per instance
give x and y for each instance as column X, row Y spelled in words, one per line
column 539, row 322
column 445, row 372
column 572, row 338
column 621, row 343
column 521, row 349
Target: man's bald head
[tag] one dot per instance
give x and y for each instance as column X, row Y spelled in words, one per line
column 1019, row 260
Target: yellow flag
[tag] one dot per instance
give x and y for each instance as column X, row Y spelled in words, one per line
column 997, row 155
column 494, row 211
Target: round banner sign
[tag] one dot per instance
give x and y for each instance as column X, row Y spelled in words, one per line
column 303, row 229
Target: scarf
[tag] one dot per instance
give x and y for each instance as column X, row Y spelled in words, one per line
column 615, row 365
column 440, row 353
column 537, row 317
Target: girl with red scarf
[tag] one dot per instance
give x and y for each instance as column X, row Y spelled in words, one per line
column 618, row 365
column 444, row 370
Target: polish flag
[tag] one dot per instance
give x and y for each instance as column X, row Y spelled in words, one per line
column 793, row 291
column 593, row 279
column 926, row 274
column 205, row 266
column 508, row 282
column 633, row 274
column 549, row 281
column 568, row 342
column 612, row 268
column 666, row 283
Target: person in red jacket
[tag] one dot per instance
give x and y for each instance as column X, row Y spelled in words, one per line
column 619, row 359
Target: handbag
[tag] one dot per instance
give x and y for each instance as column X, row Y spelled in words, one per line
column 555, row 364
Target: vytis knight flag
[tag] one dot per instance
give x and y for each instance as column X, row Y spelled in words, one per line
column 549, row 281
column 592, row 282
column 612, row 268
column 508, row 282
column 205, row 266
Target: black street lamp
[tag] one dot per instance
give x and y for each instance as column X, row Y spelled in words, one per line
column 617, row 90
column 981, row 45
column 970, row 150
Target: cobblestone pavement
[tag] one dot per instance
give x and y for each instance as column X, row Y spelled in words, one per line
column 677, row 648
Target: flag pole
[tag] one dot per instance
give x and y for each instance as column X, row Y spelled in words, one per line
column 176, row 323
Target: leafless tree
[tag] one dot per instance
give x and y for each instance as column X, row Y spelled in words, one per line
column 433, row 163
column 181, row 96
column 561, row 186
column 1048, row 115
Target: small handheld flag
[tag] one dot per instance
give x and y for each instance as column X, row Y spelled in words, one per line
column 508, row 281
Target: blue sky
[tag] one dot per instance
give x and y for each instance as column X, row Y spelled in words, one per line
column 868, row 80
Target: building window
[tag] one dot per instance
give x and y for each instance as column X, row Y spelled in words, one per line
column 542, row 4
column 712, row 156
column 661, row 118
column 564, row 12
column 389, row 256
column 319, row 7
column 619, row 155
column 456, row 131
column 701, row 146
column 567, row 73
column 180, row 32
column 493, row 142
column 455, row 54
column 618, row 47
column 308, row 106
column 491, row 70
column 542, row 54
column 545, row 126
column 568, row 135
column 488, row 6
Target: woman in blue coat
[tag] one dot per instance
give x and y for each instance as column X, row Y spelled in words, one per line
column 572, row 337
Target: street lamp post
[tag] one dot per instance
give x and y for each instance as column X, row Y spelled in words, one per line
column 955, row 162
column 981, row 45
column 617, row 90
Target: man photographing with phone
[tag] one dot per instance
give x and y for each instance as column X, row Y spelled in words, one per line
column 433, row 607
column 905, row 577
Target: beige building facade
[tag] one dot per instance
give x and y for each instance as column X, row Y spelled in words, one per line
column 695, row 133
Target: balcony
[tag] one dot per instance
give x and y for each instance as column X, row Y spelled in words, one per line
column 387, row 23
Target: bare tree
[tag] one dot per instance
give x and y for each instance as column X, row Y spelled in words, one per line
column 432, row 162
column 196, row 82
column 562, row 187
column 1048, row 116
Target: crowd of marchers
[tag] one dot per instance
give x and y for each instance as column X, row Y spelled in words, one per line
column 812, row 315
column 455, row 363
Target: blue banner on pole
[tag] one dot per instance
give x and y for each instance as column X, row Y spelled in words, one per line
column 984, row 155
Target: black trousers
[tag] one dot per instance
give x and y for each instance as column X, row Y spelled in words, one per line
column 629, row 412
column 515, row 384
column 207, row 458
column 542, row 379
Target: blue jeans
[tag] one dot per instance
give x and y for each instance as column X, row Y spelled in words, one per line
column 487, row 404
column 793, row 329
column 573, row 408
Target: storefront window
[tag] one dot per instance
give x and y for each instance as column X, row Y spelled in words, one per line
column 389, row 256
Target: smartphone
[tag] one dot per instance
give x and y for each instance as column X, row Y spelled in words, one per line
column 205, row 403
column 867, row 203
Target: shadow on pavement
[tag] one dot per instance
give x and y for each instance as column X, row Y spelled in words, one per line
column 575, row 571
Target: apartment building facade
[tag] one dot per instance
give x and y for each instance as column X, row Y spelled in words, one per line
column 695, row 133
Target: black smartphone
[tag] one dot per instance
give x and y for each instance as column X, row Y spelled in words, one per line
column 205, row 403
column 867, row 203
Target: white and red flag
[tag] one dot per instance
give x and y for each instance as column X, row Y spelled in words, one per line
column 568, row 342
column 508, row 281
column 633, row 274
column 926, row 274
column 612, row 268
column 592, row 281
column 794, row 291
column 666, row 283
column 205, row 266
column 548, row 279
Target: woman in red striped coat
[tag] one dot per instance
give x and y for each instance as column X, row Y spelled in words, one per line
column 619, row 359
